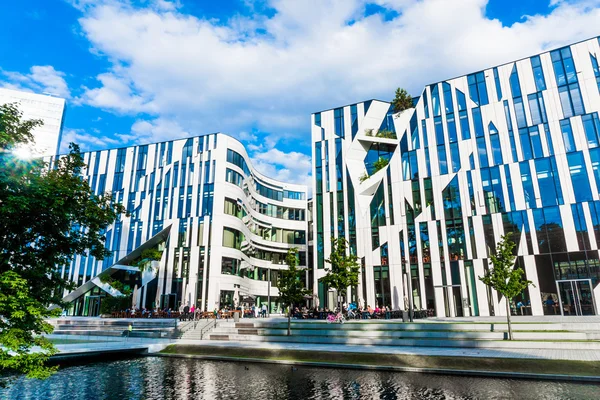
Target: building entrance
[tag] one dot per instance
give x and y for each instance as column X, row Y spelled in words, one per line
column 93, row 306
column 575, row 297
column 452, row 300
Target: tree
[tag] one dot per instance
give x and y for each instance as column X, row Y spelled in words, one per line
column 48, row 214
column 503, row 277
column 402, row 101
column 291, row 285
column 344, row 268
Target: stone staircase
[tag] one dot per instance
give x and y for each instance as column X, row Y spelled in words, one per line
column 152, row 328
column 196, row 330
column 429, row 334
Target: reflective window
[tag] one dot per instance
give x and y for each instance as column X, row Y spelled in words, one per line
column 318, row 119
column 525, row 144
column 425, row 104
column 579, row 177
column 564, row 69
column 477, row 122
column 439, row 130
column 498, row 87
column 537, row 108
column 354, row 120
column 236, row 158
column 595, row 157
column 596, row 70
column 538, row 73
column 527, row 182
column 435, row 100
column 591, row 126
column 338, row 121
column 455, row 154
column 463, row 115
column 482, row 152
column 548, row 182
column 566, row 79
column 424, row 131
column 548, row 139
column 448, row 103
column 513, row 145
column 496, row 149
column 515, row 86
column 536, row 142
column 520, row 112
column 414, row 132
column 492, row 190
column 478, row 88
column 567, row 134
column 509, row 187
column 443, row 162
column 451, row 124
column 495, row 143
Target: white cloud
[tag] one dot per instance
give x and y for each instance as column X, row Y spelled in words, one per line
column 165, row 5
column 87, row 141
column 193, row 75
column 285, row 166
column 157, row 130
column 223, row 76
column 40, row 79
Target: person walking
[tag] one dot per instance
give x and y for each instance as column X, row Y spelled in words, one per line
column 129, row 330
column 264, row 310
column 186, row 310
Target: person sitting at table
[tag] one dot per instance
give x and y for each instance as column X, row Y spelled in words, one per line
column 520, row 306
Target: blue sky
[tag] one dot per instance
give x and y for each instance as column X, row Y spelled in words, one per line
column 137, row 71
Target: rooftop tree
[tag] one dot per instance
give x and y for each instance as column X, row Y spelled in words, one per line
column 402, row 101
column 48, row 214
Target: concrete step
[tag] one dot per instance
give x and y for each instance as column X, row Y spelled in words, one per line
column 375, row 325
column 525, row 344
column 397, row 334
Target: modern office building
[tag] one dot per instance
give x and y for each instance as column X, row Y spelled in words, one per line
column 223, row 229
column 49, row 109
column 424, row 195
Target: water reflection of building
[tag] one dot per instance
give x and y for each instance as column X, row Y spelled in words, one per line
column 423, row 196
column 221, row 228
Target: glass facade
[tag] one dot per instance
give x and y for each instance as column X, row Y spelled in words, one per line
column 523, row 157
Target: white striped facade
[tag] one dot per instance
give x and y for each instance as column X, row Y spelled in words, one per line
column 227, row 227
column 512, row 148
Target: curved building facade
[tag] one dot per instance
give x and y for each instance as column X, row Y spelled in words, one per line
column 222, row 229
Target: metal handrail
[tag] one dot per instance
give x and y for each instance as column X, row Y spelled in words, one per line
column 208, row 327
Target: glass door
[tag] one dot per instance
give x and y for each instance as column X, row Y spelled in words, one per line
column 93, row 306
column 576, row 297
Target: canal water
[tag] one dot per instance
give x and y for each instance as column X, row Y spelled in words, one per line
column 176, row 378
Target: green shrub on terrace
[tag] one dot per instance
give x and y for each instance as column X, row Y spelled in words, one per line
column 380, row 164
column 386, row 134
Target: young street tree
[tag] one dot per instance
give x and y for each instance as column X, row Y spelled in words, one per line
column 47, row 215
column 291, row 285
column 344, row 268
column 402, row 101
column 503, row 277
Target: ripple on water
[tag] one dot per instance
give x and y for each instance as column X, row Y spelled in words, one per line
column 176, row 378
